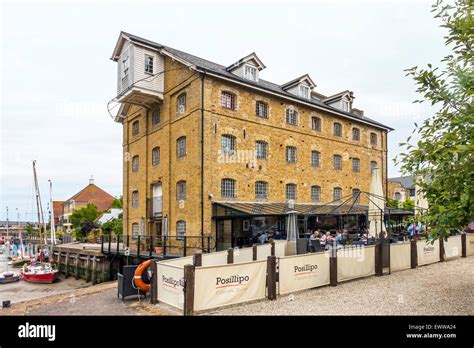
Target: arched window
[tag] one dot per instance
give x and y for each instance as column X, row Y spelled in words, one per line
column 290, row 191
column 261, row 109
column 181, row 104
column 337, row 129
column 228, row 144
column 355, row 134
column 135, row 163
column 135, row 127
column 316, row 193
column 337, row 162
column 373, row 138
column 356, row 165
column 228, row 100
column 337, row 194
column 315, row 158
column 291, row 116
column 316, row 123
column 135, row 199
column 155, row 116
column 180, row 229
column 291, row 154
column 181, row 147
column 261, row 190
column 228, row 188
column 261, row 148
column 181, row 190
column 155, row 156
column 134, row 230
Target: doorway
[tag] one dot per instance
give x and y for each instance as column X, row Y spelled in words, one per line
column 224, row 234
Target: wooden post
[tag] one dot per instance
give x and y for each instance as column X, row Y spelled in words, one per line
column 379, row 259
column 272, row 252
column 414, row 254
column 66, row 266
column 463, row 245
column 94, row 269
column 197, row 260
column 254, row 253
column 110, row 242
column 138, row 246
column 153, row 283
column 77, row 266
column 441, row 249
column 271, row 278
column 230, row 255
column 88, row 268
column 188, row 289
column 333, row 268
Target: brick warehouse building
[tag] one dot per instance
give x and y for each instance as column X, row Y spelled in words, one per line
column 200, row 138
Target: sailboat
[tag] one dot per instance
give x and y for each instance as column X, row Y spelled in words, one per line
column 22, row 258
column 40, row 271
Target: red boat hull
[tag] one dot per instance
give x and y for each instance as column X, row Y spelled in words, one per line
column 41, row 278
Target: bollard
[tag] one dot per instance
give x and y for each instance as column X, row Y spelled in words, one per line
column 188, row 289
column 230, row 255
column 271, row 277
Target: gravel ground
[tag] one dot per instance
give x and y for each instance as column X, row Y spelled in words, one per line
column 445, row 288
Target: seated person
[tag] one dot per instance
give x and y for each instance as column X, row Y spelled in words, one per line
column 263, row 238
column 339, row 237
column 315, row 236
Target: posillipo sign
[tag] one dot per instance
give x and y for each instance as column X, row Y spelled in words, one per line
column 427, row 253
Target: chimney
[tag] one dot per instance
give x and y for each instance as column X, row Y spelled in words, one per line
column 358, row 112
column 91, row 180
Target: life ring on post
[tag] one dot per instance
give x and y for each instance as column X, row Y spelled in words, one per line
column 137, row 277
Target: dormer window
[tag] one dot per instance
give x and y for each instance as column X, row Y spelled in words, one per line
column 148, row 64
column 345, row 105
column 251, row 73
column 304, row 91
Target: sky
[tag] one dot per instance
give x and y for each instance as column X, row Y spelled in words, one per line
column 56, row 75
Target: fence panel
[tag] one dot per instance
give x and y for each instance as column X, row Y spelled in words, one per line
column 469, row 244
column 263, row 251
column 355, row 262
column 243, row 255
column 170, row 282
column 280, row 248
column 427, row 252
column 303, row 272
column 400, row 256
column 214, row 259
column 452, row 247
column 218, row 286
column 179, row 262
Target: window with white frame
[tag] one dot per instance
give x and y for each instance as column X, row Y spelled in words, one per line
column 261, row 149
column 261, row 190
column 250, row 73
column 337, row 162
column 125, row 66
column 291, row 154
column 181, row 147
column 181, row 190
column 291, row 116
column 135, row 199
column 315, row 158
column 356, row 195
column 345, row 105
column 135, row 163
column 316, row 123
column 290, row 191
column 228, row 188
column 355, row 134
column 356, row 165
column 228, row 100
column 304, row 91
column 134, row 230
column 155, row 156
column 338, row 129
column 148, row 64
column 180, row 229
column 261, row 109
column 315, row 193
column 181, row 104
column 228, row 144
column 337, row 194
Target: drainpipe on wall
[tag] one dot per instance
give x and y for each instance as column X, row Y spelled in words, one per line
column 202, row 160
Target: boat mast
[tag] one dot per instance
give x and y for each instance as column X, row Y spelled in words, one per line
column 7, row 221
column 22, row 247
column 51, row 207
column 39, row 209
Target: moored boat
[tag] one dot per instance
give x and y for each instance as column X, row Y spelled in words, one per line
column 43, row 273
column 9, row 277
column 19, row 262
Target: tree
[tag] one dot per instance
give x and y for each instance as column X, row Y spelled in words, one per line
column 117, row 202
column 408, row 204
column 83, row 220
column 392, row 203
column 113, row 225
column 444, row 153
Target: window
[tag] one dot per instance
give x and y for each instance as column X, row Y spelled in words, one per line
column 337, row 129
column 181, row 190
column 135, row 199
column 125, row 66
column 290, row 191
column 180, row 229
column 228, row 188
column 155, row 156
column 250, row 73
column 148, row 64
column 261, row 149
column 356, row 195
column 155, row 116
column 228, row 100
column 316, row 124
column 315, row 193
column 181, row 104
column 373, row 165
column 315, row 158
column 337, row 193
column 291, row 154
column 337, row 162
column 345, row 105
column 356, row 134
column 261, row 190
column 412, row 192
column 135, row 127
column 261, row 109
column 304, row 92
column 181, row 147
column 398, row 196
column 291, row 116
column 228, row 144
column 134, row 230
column 356, row 165
column 135, row 164
column 373, row 138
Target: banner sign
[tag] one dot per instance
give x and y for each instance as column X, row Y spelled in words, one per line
column 453, row 247
column 170, row 283
column 218, row 286
column 214, row 259
column 469, row 244
column 400, row 256
column 303, row 272
column 243, row 255
column 355, row 262
column 427, row 252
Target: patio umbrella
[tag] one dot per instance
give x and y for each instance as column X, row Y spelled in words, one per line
column 291, row 232
column 376, row 204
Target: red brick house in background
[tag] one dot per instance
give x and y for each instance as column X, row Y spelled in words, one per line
column 90, row 194
column 58, row 211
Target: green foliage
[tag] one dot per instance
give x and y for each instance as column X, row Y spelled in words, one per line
column 408, row 204
column 444, row 153
column 392, row 203
column 117, row 202
column 30, row 230
column 83, row 220
column 113, row 225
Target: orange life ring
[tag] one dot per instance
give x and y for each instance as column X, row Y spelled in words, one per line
column 137, row 277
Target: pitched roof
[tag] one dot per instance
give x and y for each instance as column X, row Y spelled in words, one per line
column 221, row 70
column 95, row 195
column 406, row 181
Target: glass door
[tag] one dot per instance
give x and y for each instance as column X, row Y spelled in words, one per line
column 224, row 234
